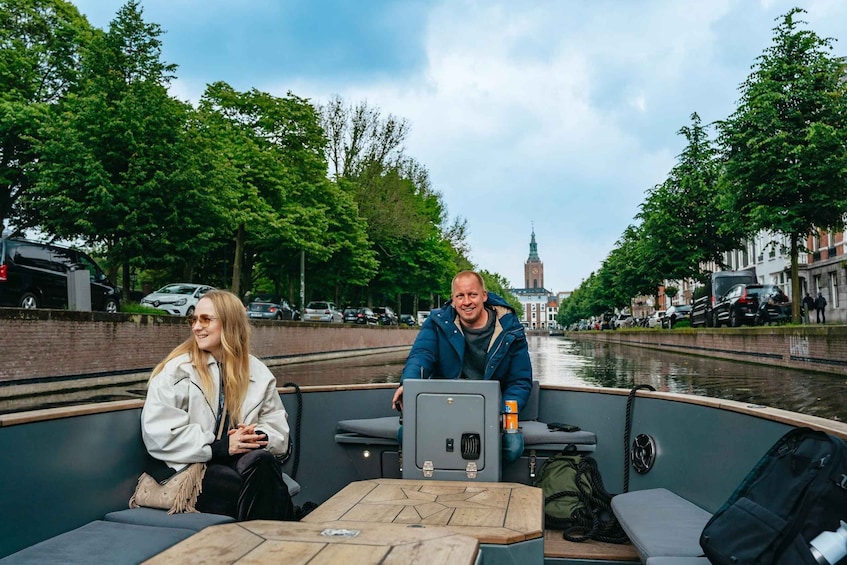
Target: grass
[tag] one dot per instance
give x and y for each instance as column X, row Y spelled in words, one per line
column 136, row 308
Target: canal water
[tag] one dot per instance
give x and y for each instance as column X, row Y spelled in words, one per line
column 563, row 361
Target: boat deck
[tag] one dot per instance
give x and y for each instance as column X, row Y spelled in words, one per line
column 556, row 547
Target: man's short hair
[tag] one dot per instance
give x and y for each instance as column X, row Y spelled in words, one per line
column 462, row 274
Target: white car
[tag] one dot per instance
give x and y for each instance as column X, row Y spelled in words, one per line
column 177, row 299
column 655, row 319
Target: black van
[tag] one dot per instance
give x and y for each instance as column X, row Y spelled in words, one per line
column 716, row 285
column 35, row 275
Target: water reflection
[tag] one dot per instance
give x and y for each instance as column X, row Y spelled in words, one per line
column 568, row 362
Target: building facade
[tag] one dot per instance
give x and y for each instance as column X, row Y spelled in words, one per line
column 540, row 306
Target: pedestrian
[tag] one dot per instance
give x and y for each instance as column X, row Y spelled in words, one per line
column 808, row 306
column 477, row 336
column 211, row 401
column 820, row 308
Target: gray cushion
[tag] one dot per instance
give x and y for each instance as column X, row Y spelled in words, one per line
column 538, row 433
column 152, row 517
column 293, row 486
column 661, row 523
column 101, row 542
column 372, row 427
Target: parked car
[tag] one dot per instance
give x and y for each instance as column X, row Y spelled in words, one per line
column 348, row 316
column 717, row 284
column 675, row 314
column 386, row 315
column 741, row 305
column 270, row 307
column 655, row 319
column 622, row 321
column 366, row 316
column 408, row 320
column 322, row 311
column 177, row 299
column 35, row 275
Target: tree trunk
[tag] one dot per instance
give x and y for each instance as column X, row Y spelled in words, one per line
column 236, row 264
column 125, row 281
column 796, row 295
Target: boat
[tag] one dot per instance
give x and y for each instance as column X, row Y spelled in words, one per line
column 69, row 467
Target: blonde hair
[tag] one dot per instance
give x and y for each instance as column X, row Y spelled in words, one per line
column 462, row 274
column 235, row 353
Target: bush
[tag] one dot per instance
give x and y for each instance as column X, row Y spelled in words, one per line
column 135, row 308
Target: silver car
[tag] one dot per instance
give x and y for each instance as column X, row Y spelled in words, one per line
column 322, row 311
column 177, row 299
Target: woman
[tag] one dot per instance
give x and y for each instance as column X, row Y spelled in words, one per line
column 211, row 401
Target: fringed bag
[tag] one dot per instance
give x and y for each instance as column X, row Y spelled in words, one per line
column 176, row 495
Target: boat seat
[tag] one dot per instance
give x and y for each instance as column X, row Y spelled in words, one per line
column 536, row 435
column 195, row 521
column 101, row 542
column 662, row 524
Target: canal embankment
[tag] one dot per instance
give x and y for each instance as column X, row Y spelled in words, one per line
column 819, row 348
column 46, row 350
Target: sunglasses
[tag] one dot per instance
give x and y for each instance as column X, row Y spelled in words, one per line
column 204, row 320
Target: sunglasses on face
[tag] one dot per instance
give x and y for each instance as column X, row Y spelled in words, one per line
column 204, row 320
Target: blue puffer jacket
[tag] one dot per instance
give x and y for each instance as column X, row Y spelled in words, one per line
column 439, row 350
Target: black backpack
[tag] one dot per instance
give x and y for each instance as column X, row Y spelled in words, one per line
column 797, row 490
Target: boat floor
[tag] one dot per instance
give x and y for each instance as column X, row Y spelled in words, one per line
column 555, row 546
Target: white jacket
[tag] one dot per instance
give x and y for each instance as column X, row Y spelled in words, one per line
column 178, row 423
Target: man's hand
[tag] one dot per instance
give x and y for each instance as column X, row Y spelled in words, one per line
column 397, row 401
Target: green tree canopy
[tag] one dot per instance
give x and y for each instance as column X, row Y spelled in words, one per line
column 786, row 144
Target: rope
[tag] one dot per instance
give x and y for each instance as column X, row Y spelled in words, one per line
column 594, row 519
column 296, row 440
column 627, row 430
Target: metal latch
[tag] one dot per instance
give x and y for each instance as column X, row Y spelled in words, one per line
column 532, row 463
column 471, row 469
column 428, row 468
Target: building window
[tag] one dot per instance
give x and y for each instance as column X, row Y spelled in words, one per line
column 833, row 288
column 817, row 282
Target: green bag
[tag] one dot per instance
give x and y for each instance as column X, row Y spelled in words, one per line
column 575, row 500
column 558, row 482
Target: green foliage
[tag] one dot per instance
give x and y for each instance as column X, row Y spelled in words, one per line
column 786, row 143
column 499, row 285
column 40, row 44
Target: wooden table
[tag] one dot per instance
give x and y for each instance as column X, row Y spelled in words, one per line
column 350, row 543
column 493, row 513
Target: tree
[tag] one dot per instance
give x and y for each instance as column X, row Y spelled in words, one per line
column 115, row 165
column 683, row 229
column 785, row 146
column 498, row 284
column 40, row 43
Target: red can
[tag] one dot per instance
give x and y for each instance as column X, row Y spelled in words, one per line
column 510, row 417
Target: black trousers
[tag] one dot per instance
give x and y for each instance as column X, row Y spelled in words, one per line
column 246, row 487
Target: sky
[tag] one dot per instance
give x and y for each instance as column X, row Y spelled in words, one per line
column 549, row 115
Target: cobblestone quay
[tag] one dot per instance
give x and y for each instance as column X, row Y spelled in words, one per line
column 811, row 348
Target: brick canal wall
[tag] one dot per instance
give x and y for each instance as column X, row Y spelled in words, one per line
column 808, row 348
column 39, row 345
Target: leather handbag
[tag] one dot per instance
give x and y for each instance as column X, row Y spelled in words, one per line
column 176, row 495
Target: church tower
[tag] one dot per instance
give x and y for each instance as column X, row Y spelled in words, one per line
column 533, row 268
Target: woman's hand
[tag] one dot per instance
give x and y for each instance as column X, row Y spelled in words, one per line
column 244, row 438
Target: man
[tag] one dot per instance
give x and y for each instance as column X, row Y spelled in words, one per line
column 476, row 335
column 820, row 308
column 808, row 306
